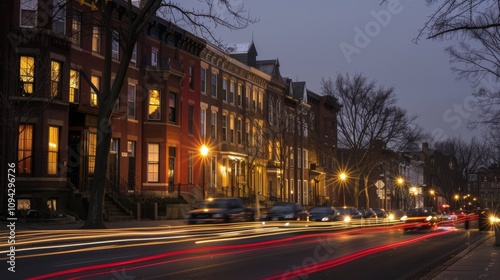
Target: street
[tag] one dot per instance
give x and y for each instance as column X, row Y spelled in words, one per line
column 231, row 251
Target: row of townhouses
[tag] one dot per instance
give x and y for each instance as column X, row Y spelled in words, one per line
column 264, row 134
column 192, row 118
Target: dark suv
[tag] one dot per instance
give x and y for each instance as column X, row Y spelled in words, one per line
column 286, row 211
column 420, row 218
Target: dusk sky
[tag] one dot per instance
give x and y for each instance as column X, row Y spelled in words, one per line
column 316, row 39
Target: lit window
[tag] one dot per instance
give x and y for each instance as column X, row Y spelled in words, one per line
column 96, row 40
column 231, row 129
column 27, row 74
column 131, row 103
column 23, row 203
column 154, row 105
column 153, row 162
column 74, row 86
column 76, row 29
column 28, row 13
column 55, row 79
column 96, row 81
column 92, row 148
column 53, row 150
column 25, row 149
column 52, row 204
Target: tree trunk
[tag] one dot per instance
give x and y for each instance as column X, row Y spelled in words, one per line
column 95, row 219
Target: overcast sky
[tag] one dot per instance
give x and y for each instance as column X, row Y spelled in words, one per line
column 320, row 38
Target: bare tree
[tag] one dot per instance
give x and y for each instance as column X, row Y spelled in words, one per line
column 131, row 24
column 369, row 115
column 460, row 158
column 475, row 27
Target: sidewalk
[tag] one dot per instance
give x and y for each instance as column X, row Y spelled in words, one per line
column 480, row 261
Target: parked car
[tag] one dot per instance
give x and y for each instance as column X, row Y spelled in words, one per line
column 324, row 214
column 367, row 213
column 221, row 210
column 348, row 213
column 380, row 212
column 420, row 218
column 286, row 211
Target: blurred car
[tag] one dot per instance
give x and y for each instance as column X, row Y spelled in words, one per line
column 450, row 216
column 380, row 212
column 286, row 211
column 324, row 214
column 367, row 213
column 420, row 218
column 349, row 213
column 221, row 210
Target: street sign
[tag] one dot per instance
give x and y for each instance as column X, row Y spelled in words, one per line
column 379, row 184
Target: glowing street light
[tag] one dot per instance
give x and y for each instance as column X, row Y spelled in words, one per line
column 343, row 178
column 204, row 152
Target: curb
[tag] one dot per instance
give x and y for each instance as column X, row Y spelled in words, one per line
column 435, row 272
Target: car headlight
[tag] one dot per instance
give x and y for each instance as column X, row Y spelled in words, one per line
column 347, row 219
column 217, row 216
column 428, row 218
column 325, row 219
column 404, row 218
column 391, row 217
column 289, row 216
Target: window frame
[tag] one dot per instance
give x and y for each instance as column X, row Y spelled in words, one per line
column 25, row 148
column 153, row 167
column 96, row 40
column 172, row 107
column 27, row 74
column 53, row 150
column 55, row 79
column 157, row 106
column 94, row 98
column 132, row 101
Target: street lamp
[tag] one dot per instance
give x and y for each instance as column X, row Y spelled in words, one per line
column 400, row 181
column 204, row 153
column 343, row 178
column 457, row 197
column 433, row 195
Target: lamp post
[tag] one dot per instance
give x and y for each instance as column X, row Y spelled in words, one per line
column 343, row 178
column 400, row 181
column 204, row 153
column 457, row 197
column 433, row 195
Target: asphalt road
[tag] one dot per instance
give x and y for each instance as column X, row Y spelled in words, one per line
column 236, row 251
